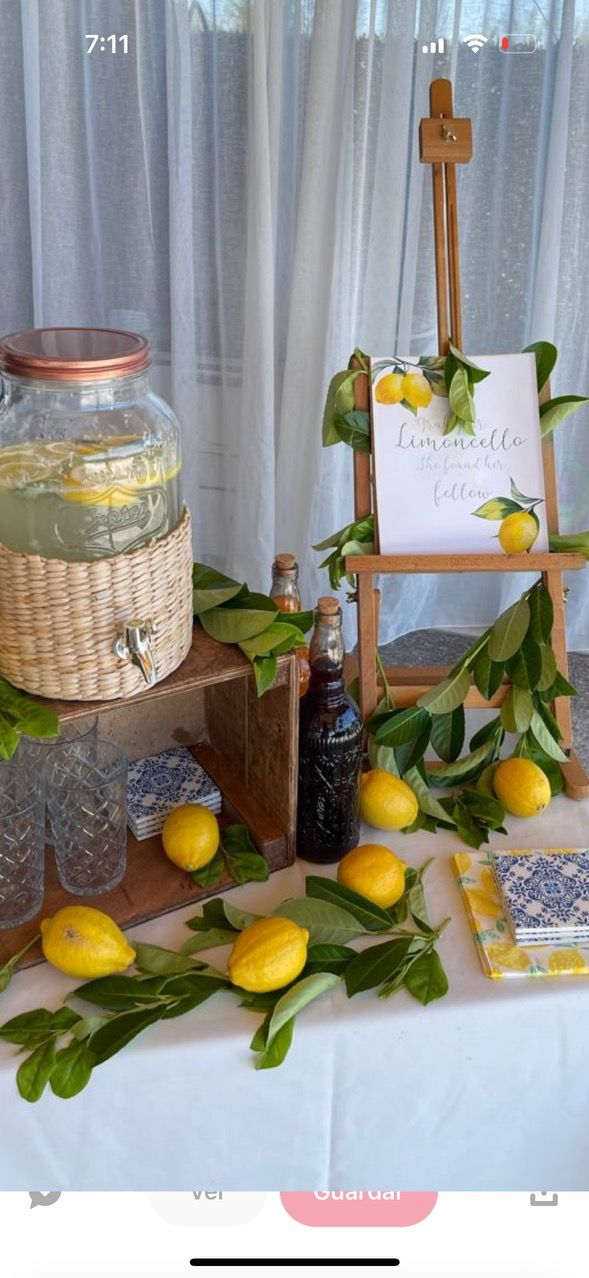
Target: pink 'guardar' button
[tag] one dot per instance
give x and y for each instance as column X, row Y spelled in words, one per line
column 368, row 1208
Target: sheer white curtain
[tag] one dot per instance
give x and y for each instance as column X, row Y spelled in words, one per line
column 243, row 185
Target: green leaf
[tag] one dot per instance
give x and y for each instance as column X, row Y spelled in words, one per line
column 460, row 398
column 119, row 993
column 427, row 803
column 529, row 749
column 354, row 429
column 160, row 962
column 497, row 508
column 475, row 373
column 88, row 1025
column 211, row 588
column 9, row 738
column 328, row 958
column 548, row 670
column 418, row 908
column 211, row 874
column 371, row 916
column 525, row 665
column 379, row 963
column 466, row 769
column 325, row 922
column 509, row 631
column 213, row 915
column 238, row 917
column 339, row 400
column 72, row 1070
column 258, row 1042
column 208, row 940
column 485, row 781
column 305, row 620
column 488, row 675
column 555, row 411
column 548, row 717
column 560, row 688
column 6, row 975
column 485, row 733
column 447, row 734
column 470, row 830
column 244, row 862
column 120, row 1031
column 485, row 808
column 517, row 710
column 545, row 739
column 545, row 354
column 426, row 979
column 448, row 694
column 234, row 625
column 33, row 1075
column 265, row 673
column 541, row 613
column 298, row 997
column 402, row 726
column 382, row 757
column 31, row 1028
column 275, row 1053
column 409, row 755
column 34, row 719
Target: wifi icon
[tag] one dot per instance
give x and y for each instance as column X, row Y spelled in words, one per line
column 475, row 42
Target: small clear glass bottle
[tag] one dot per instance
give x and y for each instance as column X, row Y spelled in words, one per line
column 330, row 748
column 287, row 597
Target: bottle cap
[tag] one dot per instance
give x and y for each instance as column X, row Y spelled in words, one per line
column 285, row 564
column 328, row 606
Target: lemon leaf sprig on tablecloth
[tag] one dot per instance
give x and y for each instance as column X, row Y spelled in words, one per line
column 64, row 1047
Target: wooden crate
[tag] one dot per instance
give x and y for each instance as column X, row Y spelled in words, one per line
column 247, row 744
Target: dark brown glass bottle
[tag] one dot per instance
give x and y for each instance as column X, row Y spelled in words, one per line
column 330, row 748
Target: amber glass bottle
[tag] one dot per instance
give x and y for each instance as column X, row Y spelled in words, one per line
column 330, row 748
column 286, row 595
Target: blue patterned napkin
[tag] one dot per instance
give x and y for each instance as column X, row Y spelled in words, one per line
column 546, row 897
column 163, row 781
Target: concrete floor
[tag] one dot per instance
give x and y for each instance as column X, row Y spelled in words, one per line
column 442, row 647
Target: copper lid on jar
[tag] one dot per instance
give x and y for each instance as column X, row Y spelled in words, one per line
column 328, row 606
column 285, row 565
column 73, row 354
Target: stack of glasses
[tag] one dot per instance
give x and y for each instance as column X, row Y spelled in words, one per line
column 545, row 894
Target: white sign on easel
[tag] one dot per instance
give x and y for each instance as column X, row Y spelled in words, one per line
column 438, row 493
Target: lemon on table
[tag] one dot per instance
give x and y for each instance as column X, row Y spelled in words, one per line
column 190, row 836
column 268, row 954
column 416, row 390
column 375, row 872
column 84, row 942
column 518, row 532
column 386, row 802
column 522, row 787
column 389, row 389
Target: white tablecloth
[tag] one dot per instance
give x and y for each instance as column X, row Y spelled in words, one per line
column 486, row 1089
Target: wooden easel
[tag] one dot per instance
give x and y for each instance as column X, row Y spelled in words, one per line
column 445, row 142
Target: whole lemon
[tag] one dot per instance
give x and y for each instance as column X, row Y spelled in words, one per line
column 190, row 836
column 518, row 532
column 375, row 872
column 522, row 787
column 389, row 389
column 268, row 954
column 386, row 802
column 416, row 390
column 84, row 942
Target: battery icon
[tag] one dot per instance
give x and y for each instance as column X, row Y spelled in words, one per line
column 517, row 44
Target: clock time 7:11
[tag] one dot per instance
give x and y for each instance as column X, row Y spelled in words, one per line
column 111, row 41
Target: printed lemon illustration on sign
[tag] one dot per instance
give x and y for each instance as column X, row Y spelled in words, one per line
column 84, row 942
column 567, row 961
column 375, row 872
column 268, row 954
column 509, row 956
column 463, row 862
column 386, row 802
column 518, row 532
column 522, row 787
column 416, row 390
column 390, row 388
column 518, row 522
column 190, row 836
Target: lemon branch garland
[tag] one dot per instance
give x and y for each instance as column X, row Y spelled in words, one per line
column 65, row 1046
column 232, row 613
column 517, row 645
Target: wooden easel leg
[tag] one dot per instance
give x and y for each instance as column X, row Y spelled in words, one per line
column 367, row 641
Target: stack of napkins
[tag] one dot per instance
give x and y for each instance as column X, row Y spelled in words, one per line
column 545, row 897
column 162, row 782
